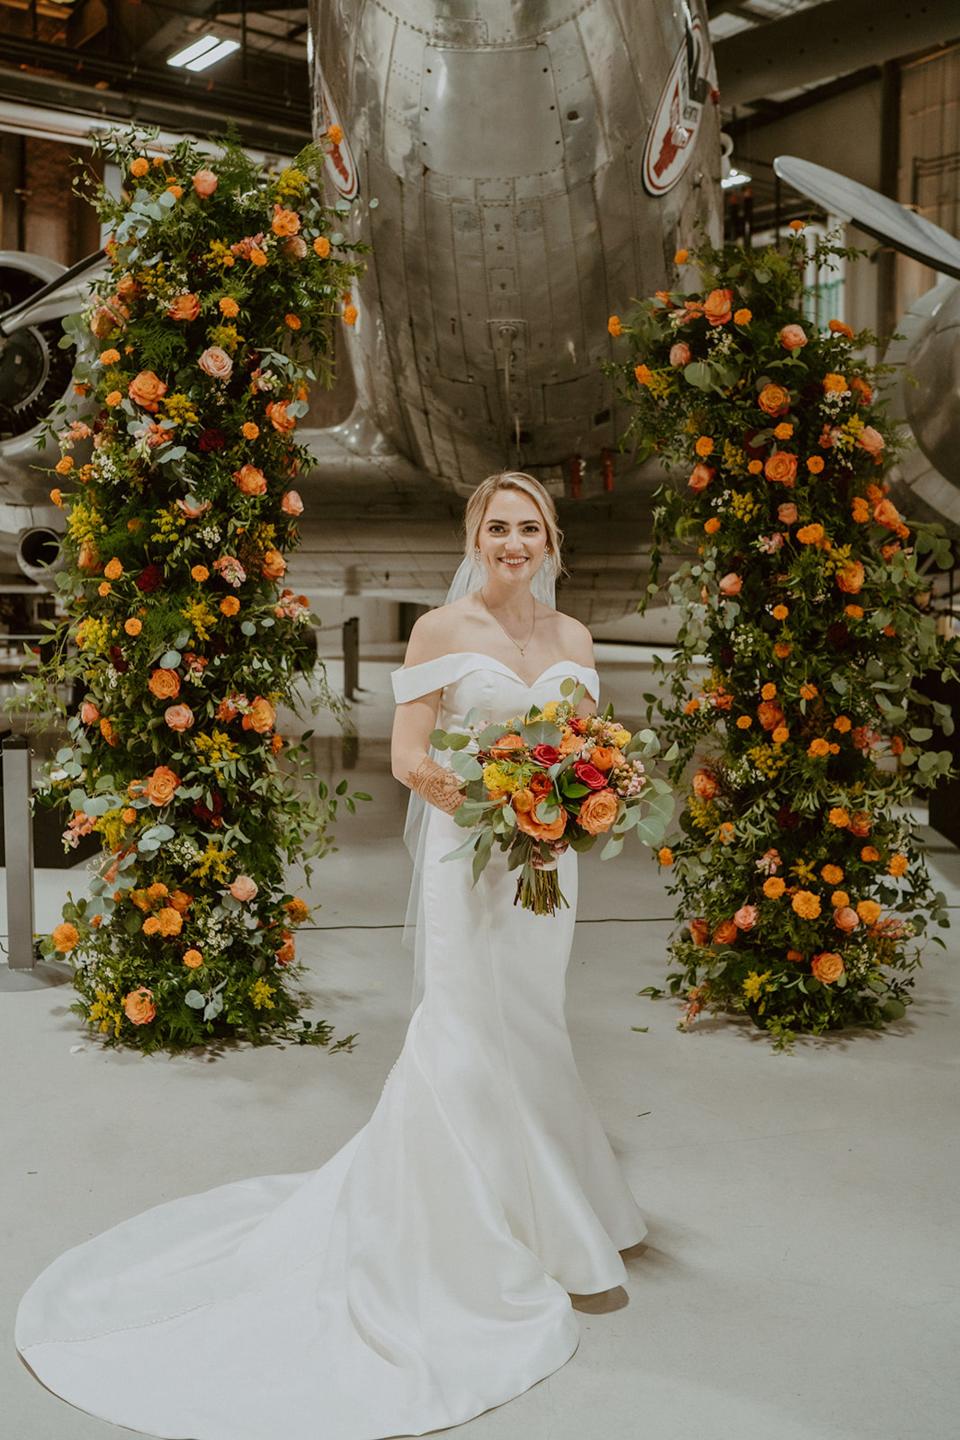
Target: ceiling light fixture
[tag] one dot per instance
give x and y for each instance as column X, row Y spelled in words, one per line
column 203, row 52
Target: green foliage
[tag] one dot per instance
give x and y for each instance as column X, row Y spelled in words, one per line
column 800, row 884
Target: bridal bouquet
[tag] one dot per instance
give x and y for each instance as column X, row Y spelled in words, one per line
column 548, row 779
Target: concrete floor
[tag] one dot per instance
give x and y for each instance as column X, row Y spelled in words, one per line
column 800, row 1278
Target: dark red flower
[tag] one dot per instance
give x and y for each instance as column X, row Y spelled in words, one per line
column 588, row 774
column 546, row 755
column 206, row 814
column 150, row 579
column 117, row 661
column 577, row 724
column 212, row 439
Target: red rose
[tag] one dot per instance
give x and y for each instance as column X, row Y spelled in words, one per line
column 545, row 754
column 212, row 439
column 588, row 774
column 577, row 724
column 150, row 579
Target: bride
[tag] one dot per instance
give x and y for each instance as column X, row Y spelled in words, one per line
column 424, row 1273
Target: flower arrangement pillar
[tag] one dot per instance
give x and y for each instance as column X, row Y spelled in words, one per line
column 800, row 884
column 194, row 361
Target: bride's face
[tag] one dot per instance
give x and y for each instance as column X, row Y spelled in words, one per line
column 512, row 538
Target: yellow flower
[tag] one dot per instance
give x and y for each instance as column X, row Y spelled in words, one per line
column 497, row 781
column 260, row 995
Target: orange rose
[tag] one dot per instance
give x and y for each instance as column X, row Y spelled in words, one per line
column 598, row 811
column 792, row 337
column 769, row 714
column 243, row 888
column 178, row 717
column 278, row 417
column 604, row 757
column 700, row 476
column 887, row 515
column 65, row 937
column 160, row 786
column 261, row 717
column 781, row 468
column 527, row 822
column 725, row 933
column 827, row 966
column 850, row 579
column 147, row 390
column 184, row 307
column 839, row 328
column 291, row 503
column 250, row 481
column 284, row 222
column 705, row 785
column 273, row 566
column 138, row 1006
column 718, row 306
column 181, row 901
column 774, row 399
column 164, row 684
column 845, row 918
column 700, row 932
column 860, row 824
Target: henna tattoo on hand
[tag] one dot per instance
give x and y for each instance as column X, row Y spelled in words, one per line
column 438, row 785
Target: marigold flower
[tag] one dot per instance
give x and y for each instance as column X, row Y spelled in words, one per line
column 614, row 326
column 839, row 328
column 704, row 446
column 783, row 431
column 838, row 816
column 780, row 612
column 349, row 315
column 64, row 465
column 780, row 735
column 192, row 959
column 797, row 224
column 832, row 874
column 870, row 854
column 665, row 856
column 815, row 464
column 773, row 887
column 833, row 383
column 898, row 864
column 334, row 134
column 139, row 167
column 806, row 904
column 199, row 573
column 257, row 256
column 133, row 626
column 754, row 466
column 808, row 691
column 869, row 911
column 113, row 398
column 742, row 317
column 818, row 747
column 681, row 257
column 228, row 307
column 692, row 706
column 811, row 534
column 65, row 937
column 769, row 691
column 839, row 898
column 321, row 246
column 712, row 525
column 643, row 374
column 113, row 569
column 744, row 722
column 229, row 605
column 854, row 611
column 293, row 322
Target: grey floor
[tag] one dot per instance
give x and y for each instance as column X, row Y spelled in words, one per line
column 800, row 1276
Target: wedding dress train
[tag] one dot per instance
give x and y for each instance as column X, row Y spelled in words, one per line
column 421, row 1275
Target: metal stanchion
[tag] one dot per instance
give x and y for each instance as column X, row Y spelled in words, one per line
column 18, row 842
column 351, row 656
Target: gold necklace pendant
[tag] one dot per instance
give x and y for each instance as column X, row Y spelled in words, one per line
column 522, row 648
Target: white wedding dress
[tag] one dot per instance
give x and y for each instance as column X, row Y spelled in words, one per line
column 421, row 1275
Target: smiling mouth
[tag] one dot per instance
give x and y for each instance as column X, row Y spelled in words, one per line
column 515, row 564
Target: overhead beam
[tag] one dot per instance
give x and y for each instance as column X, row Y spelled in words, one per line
column 830, row 39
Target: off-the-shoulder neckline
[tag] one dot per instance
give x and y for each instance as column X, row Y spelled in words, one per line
column 500, row 664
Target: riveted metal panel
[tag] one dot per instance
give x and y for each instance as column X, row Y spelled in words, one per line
column 503, row 96
column 401, row 141
column 444, row 295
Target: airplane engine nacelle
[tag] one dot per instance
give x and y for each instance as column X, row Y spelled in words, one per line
column 34, row 374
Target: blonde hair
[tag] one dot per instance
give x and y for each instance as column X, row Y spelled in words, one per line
column 529, row 485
